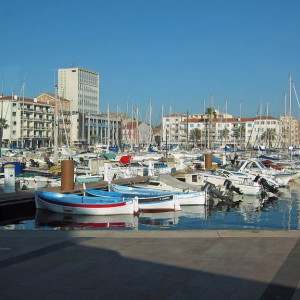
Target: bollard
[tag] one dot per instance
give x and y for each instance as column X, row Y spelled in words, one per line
column 224, row 159
column 151, row 167
column 9, row 178
column 67, row 175
column 208, row 161
column 107, row 167
column 181, row 163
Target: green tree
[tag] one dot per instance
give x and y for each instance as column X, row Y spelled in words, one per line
column 268, row 136
column 241, row 133
column 195, row 135
column 225, row 134
column 95, row 138
column 242, row 130
column 3, row 125
column 211, row 111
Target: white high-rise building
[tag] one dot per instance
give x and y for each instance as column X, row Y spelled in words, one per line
column 81, row 87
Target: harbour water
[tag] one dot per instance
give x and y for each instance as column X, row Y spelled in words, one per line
column 249, row 214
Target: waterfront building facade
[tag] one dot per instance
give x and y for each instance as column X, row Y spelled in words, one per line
column 215, row 131
column 136, row 133
column 289, row 131
column 30, row 123
column 81, row 87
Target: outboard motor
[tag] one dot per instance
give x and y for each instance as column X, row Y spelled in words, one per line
column 229, row 186
column 212, row 192
column 256, row 178
column 268, row 187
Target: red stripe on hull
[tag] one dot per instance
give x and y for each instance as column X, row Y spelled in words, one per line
column 85, row 205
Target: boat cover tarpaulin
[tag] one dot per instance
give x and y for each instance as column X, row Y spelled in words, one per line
column 213, row 159
column 268, row 157
column 172, row 181
column 109, row 155
column 125, row 160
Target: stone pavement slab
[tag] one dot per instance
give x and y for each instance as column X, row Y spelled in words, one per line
column 115, row 264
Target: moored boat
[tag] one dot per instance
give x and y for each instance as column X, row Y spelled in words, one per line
column 70, row 203
column 146, row 202
column 184, row 198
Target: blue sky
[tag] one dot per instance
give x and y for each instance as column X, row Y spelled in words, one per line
column 173, row 53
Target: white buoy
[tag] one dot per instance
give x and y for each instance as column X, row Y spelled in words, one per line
column 9, row 178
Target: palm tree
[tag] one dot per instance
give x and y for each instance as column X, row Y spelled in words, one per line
column 95, row 138
column 195, row 135
column 3, row 125
column 225, row 134
column 268, row 136
column 211, row 111
column 241, row 133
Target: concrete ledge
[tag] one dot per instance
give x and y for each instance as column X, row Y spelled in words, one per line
column 158, row 234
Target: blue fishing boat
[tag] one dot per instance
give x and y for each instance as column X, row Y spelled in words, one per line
column 146, row 202
column 71, row 203
column 184, row 198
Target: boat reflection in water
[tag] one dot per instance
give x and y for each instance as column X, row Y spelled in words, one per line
column 164, row 219
column 243, row 207
column 194, row 211
column 58, row 221
column 243, row 212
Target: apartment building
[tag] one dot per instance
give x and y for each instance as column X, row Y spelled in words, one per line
column 172, row 128
column 62, row 115
column 81, row 87
column 218, row 130
column 289, row 131
column 136, row 133
column 30, row 123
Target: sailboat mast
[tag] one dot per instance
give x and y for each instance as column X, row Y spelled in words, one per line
column 240, row 125
column 22, row 118
column 290, row 112
column 117, row 127
column 137, row 126
column 55, row 154
column 150, row 123
column 108, row 127
column 162, row 123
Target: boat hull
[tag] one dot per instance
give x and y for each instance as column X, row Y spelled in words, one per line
column 183, row 198
column 68, row 204
column 146, row 203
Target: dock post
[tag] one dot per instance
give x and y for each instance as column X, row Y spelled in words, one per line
column 208, row 161
column 181, row 163
column 67, row 175
column 150, row 167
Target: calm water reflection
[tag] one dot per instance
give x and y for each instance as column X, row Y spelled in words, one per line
column 251, row 214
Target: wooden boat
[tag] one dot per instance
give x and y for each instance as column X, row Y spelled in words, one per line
column 158, row 203
column 146, row 202
column 69, row 203
column 184, row 198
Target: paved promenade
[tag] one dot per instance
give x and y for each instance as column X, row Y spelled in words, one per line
column 123, row 264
